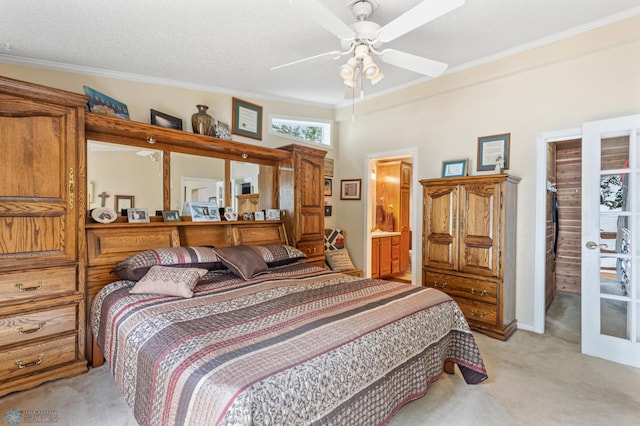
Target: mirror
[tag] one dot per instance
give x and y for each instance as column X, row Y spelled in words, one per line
column 121, row 176
column 251, row 187
column 196, row 178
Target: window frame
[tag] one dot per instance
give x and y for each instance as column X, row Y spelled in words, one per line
column 327, row 125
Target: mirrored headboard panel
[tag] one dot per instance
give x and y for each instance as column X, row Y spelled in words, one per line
column 161, row 169
column 122, row 176
column 196, row 178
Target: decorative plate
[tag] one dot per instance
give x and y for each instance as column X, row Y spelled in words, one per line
column 104, row 215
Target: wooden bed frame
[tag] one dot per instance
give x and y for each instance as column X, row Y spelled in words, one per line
column 109, row 244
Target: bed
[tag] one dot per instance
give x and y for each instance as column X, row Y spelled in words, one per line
column 290, row 344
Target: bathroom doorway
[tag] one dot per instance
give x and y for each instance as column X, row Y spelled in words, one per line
column 391, row 211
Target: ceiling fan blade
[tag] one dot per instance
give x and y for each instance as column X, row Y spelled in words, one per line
column 317, row 12
column 412, row 62
column 424, row 12
column 335, row 53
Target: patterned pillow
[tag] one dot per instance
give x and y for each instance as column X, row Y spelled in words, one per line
column 243, row 261
column 169, row 281
column 136, row 266
column 333, row 239
column 339, row 260
column 279, row 254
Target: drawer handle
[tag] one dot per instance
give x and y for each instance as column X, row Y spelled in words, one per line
column 30, row 364
column 38, row 287
column 436, row 284
column 478, row 314
column 21, row 330
column 478, row 293
column 311, row 250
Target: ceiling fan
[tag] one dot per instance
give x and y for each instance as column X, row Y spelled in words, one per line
column 364, row 38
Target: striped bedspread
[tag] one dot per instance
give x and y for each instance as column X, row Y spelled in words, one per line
column 300, row 345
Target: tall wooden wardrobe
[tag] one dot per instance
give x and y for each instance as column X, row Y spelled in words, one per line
column 469, row 247
column 42, row 306
column 302, row 200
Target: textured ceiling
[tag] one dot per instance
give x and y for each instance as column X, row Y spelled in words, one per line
column 230, row 46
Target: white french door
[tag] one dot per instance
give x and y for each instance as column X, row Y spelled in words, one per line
column 610, row 235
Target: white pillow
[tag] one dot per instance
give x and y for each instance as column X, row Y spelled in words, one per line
column 169, row 281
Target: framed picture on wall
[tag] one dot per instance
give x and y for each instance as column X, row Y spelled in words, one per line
column 350, row 189
column 246, row 119
column 493, row 149
column 328, row 187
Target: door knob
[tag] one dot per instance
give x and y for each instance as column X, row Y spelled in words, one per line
column 593, row 245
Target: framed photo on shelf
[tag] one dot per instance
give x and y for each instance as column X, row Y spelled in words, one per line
column 171, row 216
column 165, row 120
column 272, row 214
column 454, row 168
column 138, row 215
column 123, row 202
column 258, row 215
column 103, row 104
column 247, row 119
column 492, row 150
column 202, row 211
column 328, row 187
column 350, row 189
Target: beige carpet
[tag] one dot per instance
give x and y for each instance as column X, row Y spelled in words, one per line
column 533, row 380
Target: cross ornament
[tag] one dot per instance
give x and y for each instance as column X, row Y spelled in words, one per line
column 103, row 196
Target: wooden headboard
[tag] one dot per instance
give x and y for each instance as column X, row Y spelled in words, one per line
column 109, row 244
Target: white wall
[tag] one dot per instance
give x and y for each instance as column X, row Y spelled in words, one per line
column 588, row 77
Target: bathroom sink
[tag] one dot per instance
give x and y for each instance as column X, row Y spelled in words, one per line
column 376, row 234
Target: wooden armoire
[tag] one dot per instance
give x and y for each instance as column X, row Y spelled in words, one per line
column 42, row 307
column 469, row 247
column 302, row 200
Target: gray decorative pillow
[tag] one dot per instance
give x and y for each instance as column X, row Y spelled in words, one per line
column 169, row 281
column 243, row 261
column 338, row 260
column 136, row 266
column 279, row 254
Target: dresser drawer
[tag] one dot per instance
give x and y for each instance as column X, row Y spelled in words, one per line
column 312, row 248
column 36, row 357
column 35, row 325
column 478, row 312
column 482, row 291
column 19, row 286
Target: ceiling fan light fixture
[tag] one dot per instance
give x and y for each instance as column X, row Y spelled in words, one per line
column 369, row 68
column 377, row 78
column 347, row 70
column 349, row 82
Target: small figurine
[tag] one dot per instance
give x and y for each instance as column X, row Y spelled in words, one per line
column 499, row 164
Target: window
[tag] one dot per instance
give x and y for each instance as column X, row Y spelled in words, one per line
column 312, row 131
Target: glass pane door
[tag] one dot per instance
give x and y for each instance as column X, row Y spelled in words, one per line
column 610, row 295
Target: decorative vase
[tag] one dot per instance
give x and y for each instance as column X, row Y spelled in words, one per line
column 202, row 122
